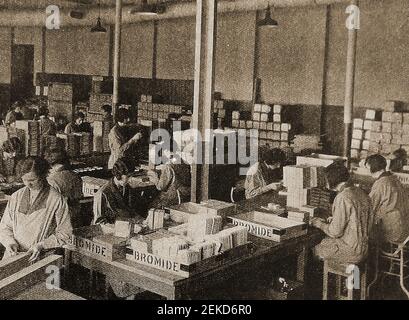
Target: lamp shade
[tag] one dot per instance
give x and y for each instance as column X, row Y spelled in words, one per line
column 268, row 22
column 98, row 27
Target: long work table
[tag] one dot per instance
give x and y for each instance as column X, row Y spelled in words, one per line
column 175, row 287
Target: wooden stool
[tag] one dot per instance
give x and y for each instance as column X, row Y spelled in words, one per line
column 340, row 272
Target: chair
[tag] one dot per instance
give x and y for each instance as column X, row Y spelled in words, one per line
column 344, row 270
column 395, row 255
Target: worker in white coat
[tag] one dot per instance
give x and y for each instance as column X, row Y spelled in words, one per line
column 36, row 217
column 351, row 222
column 390, row 202
column 119, row 138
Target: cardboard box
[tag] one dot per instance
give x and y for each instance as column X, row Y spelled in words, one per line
column 263, row 126
column 376, row 126
column 372, row 114
column 386, row 116
column 98, row 241
column 277, row 127
column 265, row 108
column 285, row 127
column 258, row 107
column 276, row 118
column 268, row 226
column 406, row 118
column 256, row 116
column 365, row 144
column 387, row 127
column 264, row 117
column 357, row 134
column 270, row 126
column 354, row 153
column 367, row 124
column 356, row 144
column 358, row 124
column 277, row 109
column 397, row 117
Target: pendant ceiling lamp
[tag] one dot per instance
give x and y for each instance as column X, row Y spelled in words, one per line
column 98, row 27
column 268, row 22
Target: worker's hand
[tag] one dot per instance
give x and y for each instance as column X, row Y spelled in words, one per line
column 153, row 176
column 12, row 249
column 35, row 252
column 317, row 222
column 137, row 137
column 2, row 178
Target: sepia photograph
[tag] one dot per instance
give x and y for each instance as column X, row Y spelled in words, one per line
column 220, row 153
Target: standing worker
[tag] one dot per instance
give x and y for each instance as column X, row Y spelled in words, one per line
column 120, row 139
column 14, row 113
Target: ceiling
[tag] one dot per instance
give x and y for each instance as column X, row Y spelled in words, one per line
column 42, row 4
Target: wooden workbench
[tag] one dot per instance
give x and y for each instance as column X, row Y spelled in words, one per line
column 40, row 292
column 175, row 287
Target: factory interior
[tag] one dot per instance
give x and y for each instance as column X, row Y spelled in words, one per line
column 204, row 150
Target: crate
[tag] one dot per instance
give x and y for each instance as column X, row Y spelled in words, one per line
column 91, row 185
column 269, row 226
column 98, row 241
column 186, row 271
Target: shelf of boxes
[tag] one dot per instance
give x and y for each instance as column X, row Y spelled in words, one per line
column 97, row 100
column 60, row 97
column 380, row 132
column 268, row 120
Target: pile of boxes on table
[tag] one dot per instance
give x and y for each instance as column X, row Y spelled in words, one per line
column 60, row 96
column 9, row 132
column 381, row 131
column 270, row 123
column 199, row 243
column 306, row 187
column 101, row 130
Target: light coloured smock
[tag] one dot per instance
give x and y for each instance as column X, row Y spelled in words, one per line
column 349, row 229
column 47, row 220
column 390, row 205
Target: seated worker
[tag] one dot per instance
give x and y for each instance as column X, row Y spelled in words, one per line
column 47, row 126
column 348, row 229
column 36, row 217
column 107, row 110
column 390, row 203
column 11, row 160
column 399, row 159
column 265, row 172
column 173, row 183
column 78, row 125
column 112, row 200
column 14, row 113
column 120, row 139
column 66, row 182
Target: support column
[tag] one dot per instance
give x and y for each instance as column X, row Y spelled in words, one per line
column 206, row 25
column 117, row 55
column 350, row 82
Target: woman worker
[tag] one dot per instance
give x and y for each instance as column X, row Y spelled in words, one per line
column 11, row 160
column 173, row 182
column 78, row 125
column 65, row 181
column 120, row 139
column 348, row 231
column 112, row 200
column 262, row 175
column 36, row 217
